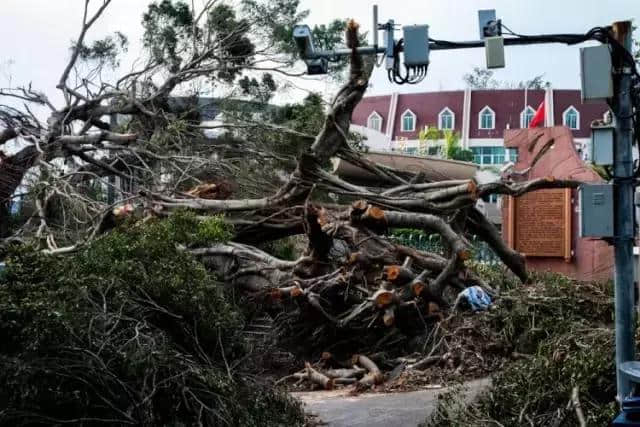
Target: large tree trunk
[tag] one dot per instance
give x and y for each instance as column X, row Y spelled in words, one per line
column 12, row 171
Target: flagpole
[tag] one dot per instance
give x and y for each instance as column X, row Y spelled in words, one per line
column 526, row 93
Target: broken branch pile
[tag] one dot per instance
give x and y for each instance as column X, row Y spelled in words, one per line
column 555, row 341
column 359, row 370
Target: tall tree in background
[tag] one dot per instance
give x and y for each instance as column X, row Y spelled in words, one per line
column 481, row 78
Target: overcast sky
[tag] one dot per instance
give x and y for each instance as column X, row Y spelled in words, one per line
column 35, row 35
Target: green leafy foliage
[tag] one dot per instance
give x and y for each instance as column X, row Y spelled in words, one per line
column 131, row 330
column 172, row 37
column 307, row 116
column 104, row 51
column 275, row 20
column 168, row 26
column 212, row 229
column 563, row 329
column 261, row 91
column 451, row 150
column 232, row 33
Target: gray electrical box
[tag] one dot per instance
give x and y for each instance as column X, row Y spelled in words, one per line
column 596, row 210
column 494, row 49
column 416, row 45
column 602, row 145
column 595, row 73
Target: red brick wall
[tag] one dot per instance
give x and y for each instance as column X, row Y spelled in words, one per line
column 592, row 259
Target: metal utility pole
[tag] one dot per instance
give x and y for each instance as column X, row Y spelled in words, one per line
column 624, row 209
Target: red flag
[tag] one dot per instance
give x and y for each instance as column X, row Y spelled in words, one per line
column 538, row 117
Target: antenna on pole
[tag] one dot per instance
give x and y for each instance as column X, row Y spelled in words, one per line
column 375, row 26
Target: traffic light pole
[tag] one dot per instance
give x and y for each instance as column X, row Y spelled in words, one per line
column 623, row 210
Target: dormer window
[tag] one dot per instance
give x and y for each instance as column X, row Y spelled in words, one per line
column 486, row 118
column 571, row 118
column 375, row 121
column 526, row 116
column 408, row 121
column 446, row 119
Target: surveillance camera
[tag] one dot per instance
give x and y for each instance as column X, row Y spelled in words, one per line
column 304, row 40
column 317, row 66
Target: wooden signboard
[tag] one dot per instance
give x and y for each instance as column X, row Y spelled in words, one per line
column 540, row 223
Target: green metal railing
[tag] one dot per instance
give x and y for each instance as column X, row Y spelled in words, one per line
column 481, row 251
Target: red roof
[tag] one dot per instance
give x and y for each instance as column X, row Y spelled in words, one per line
column 507, row 104
column 427, row 106
column 368, row 105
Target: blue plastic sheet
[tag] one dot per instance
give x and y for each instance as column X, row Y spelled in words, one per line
column 477, row 298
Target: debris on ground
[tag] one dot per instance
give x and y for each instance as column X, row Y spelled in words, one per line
column 559, row 333
column 475, row 298
column 468, row 345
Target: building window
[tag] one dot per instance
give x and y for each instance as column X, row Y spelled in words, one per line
column 488, row 155
column 375, row 121
column 512, row 155
column 411, row 150
column 571, row 118
column 408, row 121
column 446, row 119
column 486, row 118
column 526, row 116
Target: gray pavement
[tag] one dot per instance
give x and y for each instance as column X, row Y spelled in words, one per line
column 338, row 409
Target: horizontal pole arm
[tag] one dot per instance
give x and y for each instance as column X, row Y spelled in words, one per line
column 447, row 45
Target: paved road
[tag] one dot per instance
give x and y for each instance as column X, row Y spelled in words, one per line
column 338, row 409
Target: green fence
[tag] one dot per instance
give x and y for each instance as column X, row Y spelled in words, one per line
column 481, row 252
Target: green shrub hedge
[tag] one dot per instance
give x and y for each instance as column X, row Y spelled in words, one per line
column 129, row 331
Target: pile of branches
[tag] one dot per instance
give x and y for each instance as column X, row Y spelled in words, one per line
column 359, row 370
column 552, row 341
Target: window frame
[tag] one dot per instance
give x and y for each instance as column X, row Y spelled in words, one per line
column 441, row 114
column 374, row 115
column 566, row 113
column 523, row 116
column 490, row 153
column 413, row 116
column 493, row 118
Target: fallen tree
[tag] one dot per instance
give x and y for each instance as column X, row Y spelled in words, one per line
column 352, row 277
column 352, row 281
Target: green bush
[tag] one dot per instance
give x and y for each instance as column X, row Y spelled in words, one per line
column 131, row 330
